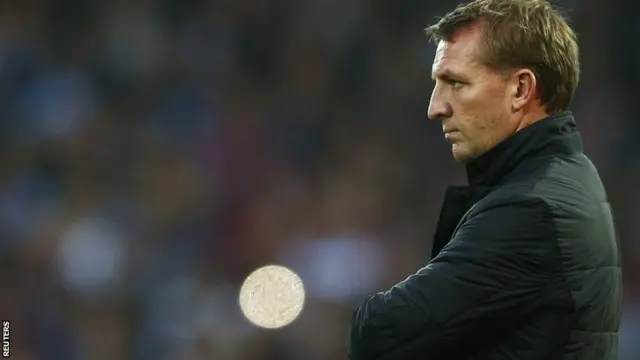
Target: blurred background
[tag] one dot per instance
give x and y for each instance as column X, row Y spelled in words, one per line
column 154, row 152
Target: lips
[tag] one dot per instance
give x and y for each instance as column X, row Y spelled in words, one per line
column 449, row 135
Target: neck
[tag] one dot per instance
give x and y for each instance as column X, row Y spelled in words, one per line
column 532, row 117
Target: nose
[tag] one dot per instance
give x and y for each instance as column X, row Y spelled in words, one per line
column 439, row 108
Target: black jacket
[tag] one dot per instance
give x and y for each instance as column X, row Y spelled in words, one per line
column 525, row 264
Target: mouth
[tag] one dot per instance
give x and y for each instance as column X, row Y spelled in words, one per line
column 450, row 134
column 448, row 129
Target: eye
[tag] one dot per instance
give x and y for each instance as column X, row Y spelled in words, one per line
column 456, row 85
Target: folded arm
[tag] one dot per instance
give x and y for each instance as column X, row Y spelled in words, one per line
column 492, row 271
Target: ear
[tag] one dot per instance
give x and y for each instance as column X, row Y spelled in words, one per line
column 524, row 89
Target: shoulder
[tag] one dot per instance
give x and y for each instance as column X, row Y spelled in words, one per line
column 562, row 198
column 568, row 184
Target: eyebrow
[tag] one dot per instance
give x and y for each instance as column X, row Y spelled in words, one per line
column 446, row 74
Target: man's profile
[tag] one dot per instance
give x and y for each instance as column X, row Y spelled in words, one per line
column 525, row 262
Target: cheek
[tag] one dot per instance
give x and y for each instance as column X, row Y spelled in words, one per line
column 480, row 111
column 474, row 109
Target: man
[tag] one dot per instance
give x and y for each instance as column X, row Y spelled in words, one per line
column 525, row 262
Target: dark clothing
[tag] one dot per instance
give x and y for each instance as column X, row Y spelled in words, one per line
column 525, row 264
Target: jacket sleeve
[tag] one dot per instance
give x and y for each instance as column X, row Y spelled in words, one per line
column 492, row 272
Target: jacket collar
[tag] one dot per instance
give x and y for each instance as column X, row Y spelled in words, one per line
column 554, row 135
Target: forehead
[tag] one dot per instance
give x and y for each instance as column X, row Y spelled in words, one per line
column 458, row 54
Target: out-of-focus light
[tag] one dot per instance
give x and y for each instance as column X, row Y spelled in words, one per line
column 272, row 297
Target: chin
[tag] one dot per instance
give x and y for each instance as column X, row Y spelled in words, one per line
column 462, row 155
column 462, row 160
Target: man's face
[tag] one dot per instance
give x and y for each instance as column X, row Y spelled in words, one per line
column 472, row 101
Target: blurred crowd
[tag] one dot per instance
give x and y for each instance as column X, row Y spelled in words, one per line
column 155, row 152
